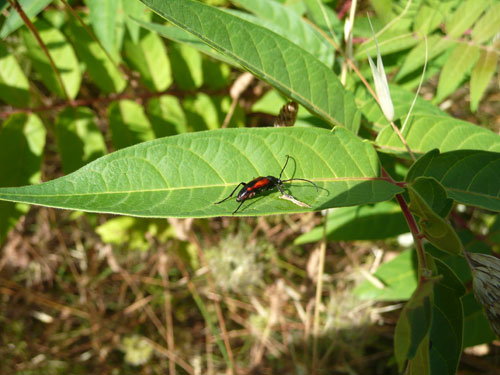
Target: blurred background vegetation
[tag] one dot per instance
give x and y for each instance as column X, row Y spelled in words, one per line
column 93, row 293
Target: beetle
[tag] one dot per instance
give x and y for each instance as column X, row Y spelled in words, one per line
column 260, row 184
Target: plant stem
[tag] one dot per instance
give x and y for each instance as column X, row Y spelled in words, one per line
column 417, row 238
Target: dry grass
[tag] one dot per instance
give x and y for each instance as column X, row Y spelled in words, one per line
column 216, row 294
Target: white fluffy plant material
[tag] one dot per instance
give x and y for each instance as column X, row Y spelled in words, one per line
column 381, row 84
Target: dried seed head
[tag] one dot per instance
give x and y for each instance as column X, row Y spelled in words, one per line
column 486, row 284
column 288, row 115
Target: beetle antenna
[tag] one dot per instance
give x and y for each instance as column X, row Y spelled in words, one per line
column 287, row 158
column 302, row 179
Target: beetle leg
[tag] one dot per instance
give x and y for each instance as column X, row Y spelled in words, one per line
column 230, row 195
column 238, row 207
column 280, row 188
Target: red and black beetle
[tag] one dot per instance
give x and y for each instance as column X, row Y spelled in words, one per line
column 260, row 184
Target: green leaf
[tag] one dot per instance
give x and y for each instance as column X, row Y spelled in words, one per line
column 429, row 202
column 62, row 54
column 128, row 124
column 461, row 60
column 103, row 17
column 102, row 70
column 476, row 325
column 420, row 364
column 292, row 27
column 380, row 221
column 415, row 59
column 388, row 42
column 414, row 323
column 469, row 177
column 383, row 8
column 187, row 67
column 399, row 276
column 134, row 9
column 464, row 17
column 184, row 175
column 183, row 37
column 14, row 86
column 457, row 263
column 22, row 139
column 216, row 75
column 324, row 17
column 132, row 232
column 427, row 20
column 149, row 58
column 481, row 75
column 201, row 111
column 447, row 322
column 270, row 57
column 434, row 195
column 487, row 26
column 427, row 132
column 78, row 139
column 167, row 116
column 14, row 21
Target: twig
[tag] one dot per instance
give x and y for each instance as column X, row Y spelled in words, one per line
column 15, row 4
column 319, row 292
column 109, row 99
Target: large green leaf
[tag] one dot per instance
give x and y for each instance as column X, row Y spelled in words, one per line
column 62, row 54
column 78, row 139
column 447, row 322
column 14, row 86
column 469, row 177
column 380, row 221
column 269, row 56
column 414, row 323
column 476, row 325
column 14, row 21
column 101, row 69
column 22, row 139
column 183, row 37
column 292, row 27
column 184, row 175
column 427, row 132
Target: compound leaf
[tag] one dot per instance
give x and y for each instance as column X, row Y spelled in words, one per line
column 22, row 139
column 283, row 64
